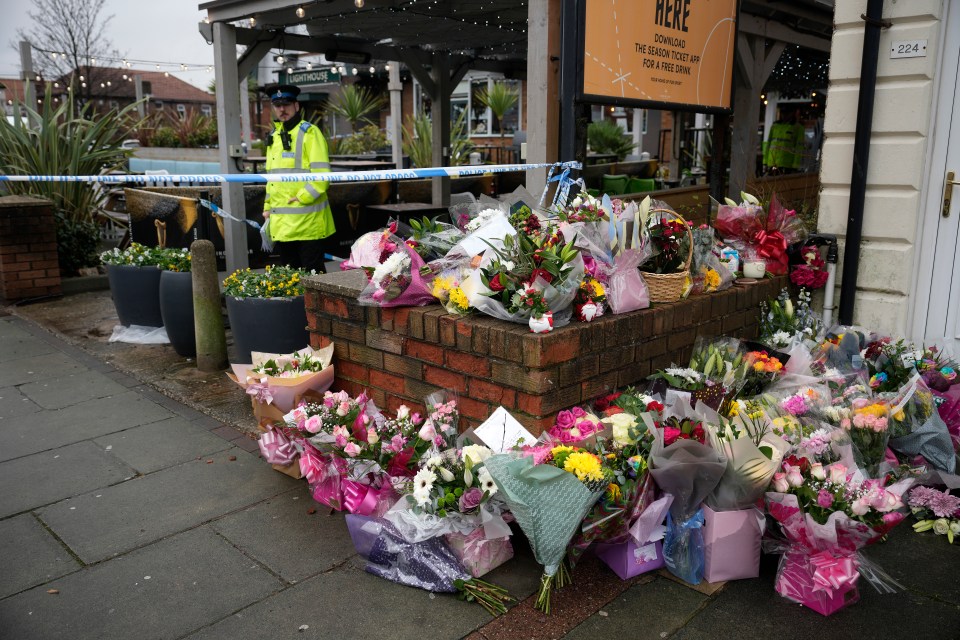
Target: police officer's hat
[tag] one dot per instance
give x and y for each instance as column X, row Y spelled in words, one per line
column 283, row 93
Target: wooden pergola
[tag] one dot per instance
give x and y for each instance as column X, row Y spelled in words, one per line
column 440, row 41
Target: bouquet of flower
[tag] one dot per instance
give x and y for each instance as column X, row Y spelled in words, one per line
column 442, row 417
column 783, row 325
column 827, row 514
column 766, row 233
column 584, row 208
column 279, row 379
column 709, row 272
column 447, row 289
column 398, row 277
column 589, row 301
column 549, row 501
column 916, row 427
column 531, row 280
column 575, row 426
column 524, row 220
column 432, row 239
column 934, row 510
column 671, row 245
column 688, row 470
column 763, row 370
column 812, row 273
column 939, row 371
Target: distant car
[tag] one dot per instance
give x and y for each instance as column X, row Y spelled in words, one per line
column 130, row 144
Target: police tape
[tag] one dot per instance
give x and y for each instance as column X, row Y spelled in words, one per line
column 333, row 176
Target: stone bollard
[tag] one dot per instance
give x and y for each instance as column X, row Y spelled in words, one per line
column 207, row 316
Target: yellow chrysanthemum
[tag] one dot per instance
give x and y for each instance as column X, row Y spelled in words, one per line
column 711, row 279
column 875, row 409
column 459, row 298
column 560, row 449
column 584, row 465
column 441, row 286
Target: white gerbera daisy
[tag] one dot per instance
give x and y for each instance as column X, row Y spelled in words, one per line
column 486, row 482
column 424, row 480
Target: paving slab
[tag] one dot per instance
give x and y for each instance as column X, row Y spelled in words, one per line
column 905, row 551
column 14, row 404
column 41, row 367
column 161, row 592
column 282, row 535
column 162, row 444
column 43, row 478
column 63, row 391
column 752, row 608
column 100, row 524
column 349, row 603
column 15, row 343
column 30, row 555
column 30, row 432
column 663, row 606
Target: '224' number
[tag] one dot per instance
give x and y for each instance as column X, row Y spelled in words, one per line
column 908, row 47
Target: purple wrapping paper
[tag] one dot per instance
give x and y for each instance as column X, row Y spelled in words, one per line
column 477, row 554
column 628, row 559
column 731, row 544
column 795, row 581
column 363, row 536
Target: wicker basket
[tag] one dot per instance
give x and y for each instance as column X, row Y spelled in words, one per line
column 668, row 287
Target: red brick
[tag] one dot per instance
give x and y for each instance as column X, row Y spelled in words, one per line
column 403, row 366
column 384, row 341
column 335, row 307
column 491, row 392
column 424, row 351
column 373, row 316
column 366, row 355
column 348, row 331
column 310, row 299
column 473, row 408
column 431, row 325
column 33, row 273
column 474, row 365
column 598, row 386
column 46, row 264
column 395, row 319
column 15, row 266
column 319, row 341
column 386, row 381
column 352, row 370
column 448, row 330
column 353, row 388
column 378, row 396
column 554, row 348
column 445, row 379
column 518, row 377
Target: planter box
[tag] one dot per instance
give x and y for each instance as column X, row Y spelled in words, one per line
column 402, row 354
column 136, row 294
column 270, row 325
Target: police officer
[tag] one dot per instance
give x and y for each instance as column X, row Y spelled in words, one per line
column 301, row 222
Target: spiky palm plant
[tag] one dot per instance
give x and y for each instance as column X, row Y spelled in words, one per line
column 418, row 140
column 63, row 140
column 499, row 98
column 355, row 104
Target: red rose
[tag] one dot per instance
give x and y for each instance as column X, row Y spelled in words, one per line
column 496, row 284
column 601, row 404
column 542, row 273
column 654, row 406
column 795, row 461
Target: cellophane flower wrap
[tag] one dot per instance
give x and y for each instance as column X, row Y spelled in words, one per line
column 548, row 503
column 688, row 470
column 614, row 243
column 916, row 428
column 430, row 238
column 398, row 276
column 529, row 278
column 827, row 513
column 785, row 325
column 279, row 379
column 767, row 233
column 709, row 273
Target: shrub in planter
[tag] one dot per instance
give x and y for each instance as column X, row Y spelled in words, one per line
column 266, row 311
column 77, row 244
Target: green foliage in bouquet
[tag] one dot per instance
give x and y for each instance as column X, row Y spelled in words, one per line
column 521, row 261
column 782, row 322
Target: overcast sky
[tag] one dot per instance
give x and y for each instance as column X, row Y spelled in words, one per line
column 141, row 29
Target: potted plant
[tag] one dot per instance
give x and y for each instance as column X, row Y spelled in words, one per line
column 176, row 301
column 134, row 276
column 266, row 311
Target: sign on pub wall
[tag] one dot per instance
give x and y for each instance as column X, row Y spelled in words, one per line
column 674, row 54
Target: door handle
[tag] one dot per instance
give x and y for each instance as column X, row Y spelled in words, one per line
column 948, row 194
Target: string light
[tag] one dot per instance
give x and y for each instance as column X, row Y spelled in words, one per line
column 253, row 21
column 358, row 4
column 300, row 12
column 280, row 59
column 373, row 70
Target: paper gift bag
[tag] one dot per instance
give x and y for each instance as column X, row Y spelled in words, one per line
column 820, row 581
column 292, row 469
column 629, row 559
column 731, row 544
column 477, row 554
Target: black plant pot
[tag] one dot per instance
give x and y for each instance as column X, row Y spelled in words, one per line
column 176, row 307
column 136, row 294
column 273, row 325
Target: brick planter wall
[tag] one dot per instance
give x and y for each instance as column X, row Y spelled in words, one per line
column 29, row 267
column 400, row 355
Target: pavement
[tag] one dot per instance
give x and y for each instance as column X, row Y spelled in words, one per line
column 134, row 504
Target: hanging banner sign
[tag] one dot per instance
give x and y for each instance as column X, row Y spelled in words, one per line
column 304, row 77
column 659, row 53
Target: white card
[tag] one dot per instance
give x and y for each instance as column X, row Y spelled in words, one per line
column 501, row 432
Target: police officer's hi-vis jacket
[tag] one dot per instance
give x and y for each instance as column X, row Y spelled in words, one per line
column 301, row 149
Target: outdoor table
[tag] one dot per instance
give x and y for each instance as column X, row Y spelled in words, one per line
column 404, row 211
column 360, row 165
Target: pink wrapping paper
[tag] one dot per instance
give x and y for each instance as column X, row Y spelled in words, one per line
column 731, row 544
column 627, row 290
column 326, row 486
column 476, row 553
column 366, row 500
column 628, row 559
column 822, row 582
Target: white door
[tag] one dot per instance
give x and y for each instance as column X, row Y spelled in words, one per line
column 938, row 292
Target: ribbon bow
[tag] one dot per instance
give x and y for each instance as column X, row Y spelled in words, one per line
column 277, row 448
column 831, row 572
column 772, row 246
column 359, row 499
column 312, row 464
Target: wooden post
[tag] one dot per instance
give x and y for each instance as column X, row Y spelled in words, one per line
column 543, row 89
column 207, row 316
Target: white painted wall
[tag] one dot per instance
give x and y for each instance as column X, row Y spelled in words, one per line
column 900, row 146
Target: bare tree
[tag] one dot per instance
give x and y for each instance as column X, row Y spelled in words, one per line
column 69, row 41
